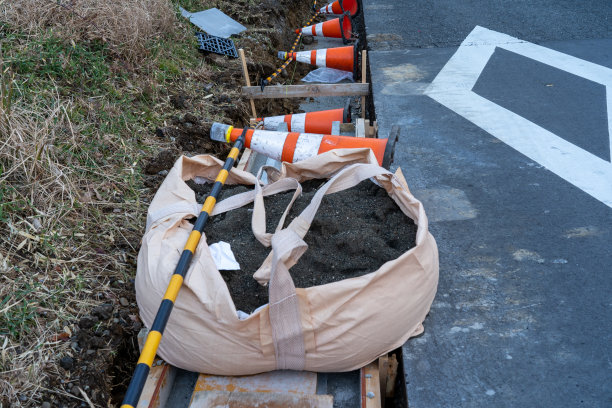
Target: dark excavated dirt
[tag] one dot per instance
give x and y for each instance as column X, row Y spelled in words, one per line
column 354, row 232
column 101, row 374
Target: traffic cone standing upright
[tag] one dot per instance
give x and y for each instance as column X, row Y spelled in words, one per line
column 341, row 27
column 342, row 58
column 310, row 122
column 340, row 7
column 293, row 147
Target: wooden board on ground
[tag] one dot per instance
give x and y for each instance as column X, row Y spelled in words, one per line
column 383, row 370
column 370, row 386
column 244, row 159
column 363, row 128
column 305, row 91
column 158, row 386
column 391, row 376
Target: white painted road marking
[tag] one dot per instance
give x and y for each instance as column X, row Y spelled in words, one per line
column 453, row 89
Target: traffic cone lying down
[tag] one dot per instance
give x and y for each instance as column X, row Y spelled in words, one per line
column 340, row 6
column 340, row 27
column 342, row 58
column 311, row 122
column 294, row 147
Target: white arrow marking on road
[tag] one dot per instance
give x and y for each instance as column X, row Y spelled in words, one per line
column 453, row 89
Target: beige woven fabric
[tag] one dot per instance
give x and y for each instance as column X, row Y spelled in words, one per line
column 336, row 327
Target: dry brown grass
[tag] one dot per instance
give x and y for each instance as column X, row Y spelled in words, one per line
column 70, row 222
column 126, row 26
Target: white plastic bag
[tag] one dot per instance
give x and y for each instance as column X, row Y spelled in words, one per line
column 328, row 76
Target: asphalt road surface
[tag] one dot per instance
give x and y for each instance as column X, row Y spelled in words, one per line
column 505, row 117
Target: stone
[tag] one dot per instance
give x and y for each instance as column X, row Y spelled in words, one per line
column 307, row 39
column 66, row 362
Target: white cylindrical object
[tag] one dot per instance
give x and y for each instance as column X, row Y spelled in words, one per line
column 321, row 57
column 298, row 122
column 273, row 122
column 217, row 132
column 318, row 30
column 303, row 56
column 269, row 143
column 307, row 146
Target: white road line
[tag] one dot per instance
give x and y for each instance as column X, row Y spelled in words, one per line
column 453, row 89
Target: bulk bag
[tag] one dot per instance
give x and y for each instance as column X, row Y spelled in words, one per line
column 340, row 326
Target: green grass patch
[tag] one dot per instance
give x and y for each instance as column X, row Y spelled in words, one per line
column 18, row 312
column 49, row 62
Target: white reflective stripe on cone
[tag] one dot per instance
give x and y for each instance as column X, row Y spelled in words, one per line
column 269, row 143
column 273, row 122
column 307, row 146
column 318, row 29
column 327, row 10
column 321, row 56
column 298, row 122
column 303, row 56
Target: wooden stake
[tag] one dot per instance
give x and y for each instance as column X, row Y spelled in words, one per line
column 364, row 66
column 246, row 79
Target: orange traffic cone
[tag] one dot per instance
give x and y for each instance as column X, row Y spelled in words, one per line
column 341, row 6
column 310, row 122
column 341, row 27
column 294, row 147
column 342, row 58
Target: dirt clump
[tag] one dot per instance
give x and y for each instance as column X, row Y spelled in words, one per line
column 354, row 232
column 163, row 161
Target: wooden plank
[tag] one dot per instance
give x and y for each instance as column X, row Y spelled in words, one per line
column 372, row 129
column 228, row 399
column 245, row 72
column 391, row 376
column 157, row 387
column 383, row 366
column 370, row 386
column 364, row 67
column 304, row 91
column 244, row 160
column 347, row 128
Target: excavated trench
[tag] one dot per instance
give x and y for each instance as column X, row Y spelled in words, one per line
column 190, row 133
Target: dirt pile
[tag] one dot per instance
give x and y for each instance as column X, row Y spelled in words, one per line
column 354, row 232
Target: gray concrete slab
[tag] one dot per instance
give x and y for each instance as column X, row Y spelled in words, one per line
column 523, row 311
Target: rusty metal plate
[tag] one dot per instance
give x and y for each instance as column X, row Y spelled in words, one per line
column 281, row 381
column 225, row 399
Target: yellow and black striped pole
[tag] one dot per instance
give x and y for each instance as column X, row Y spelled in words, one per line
column 149, row 350
column 269, row 79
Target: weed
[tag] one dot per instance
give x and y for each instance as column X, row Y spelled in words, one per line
column 17, row 312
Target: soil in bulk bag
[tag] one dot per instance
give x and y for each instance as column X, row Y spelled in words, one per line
column 339, row 326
